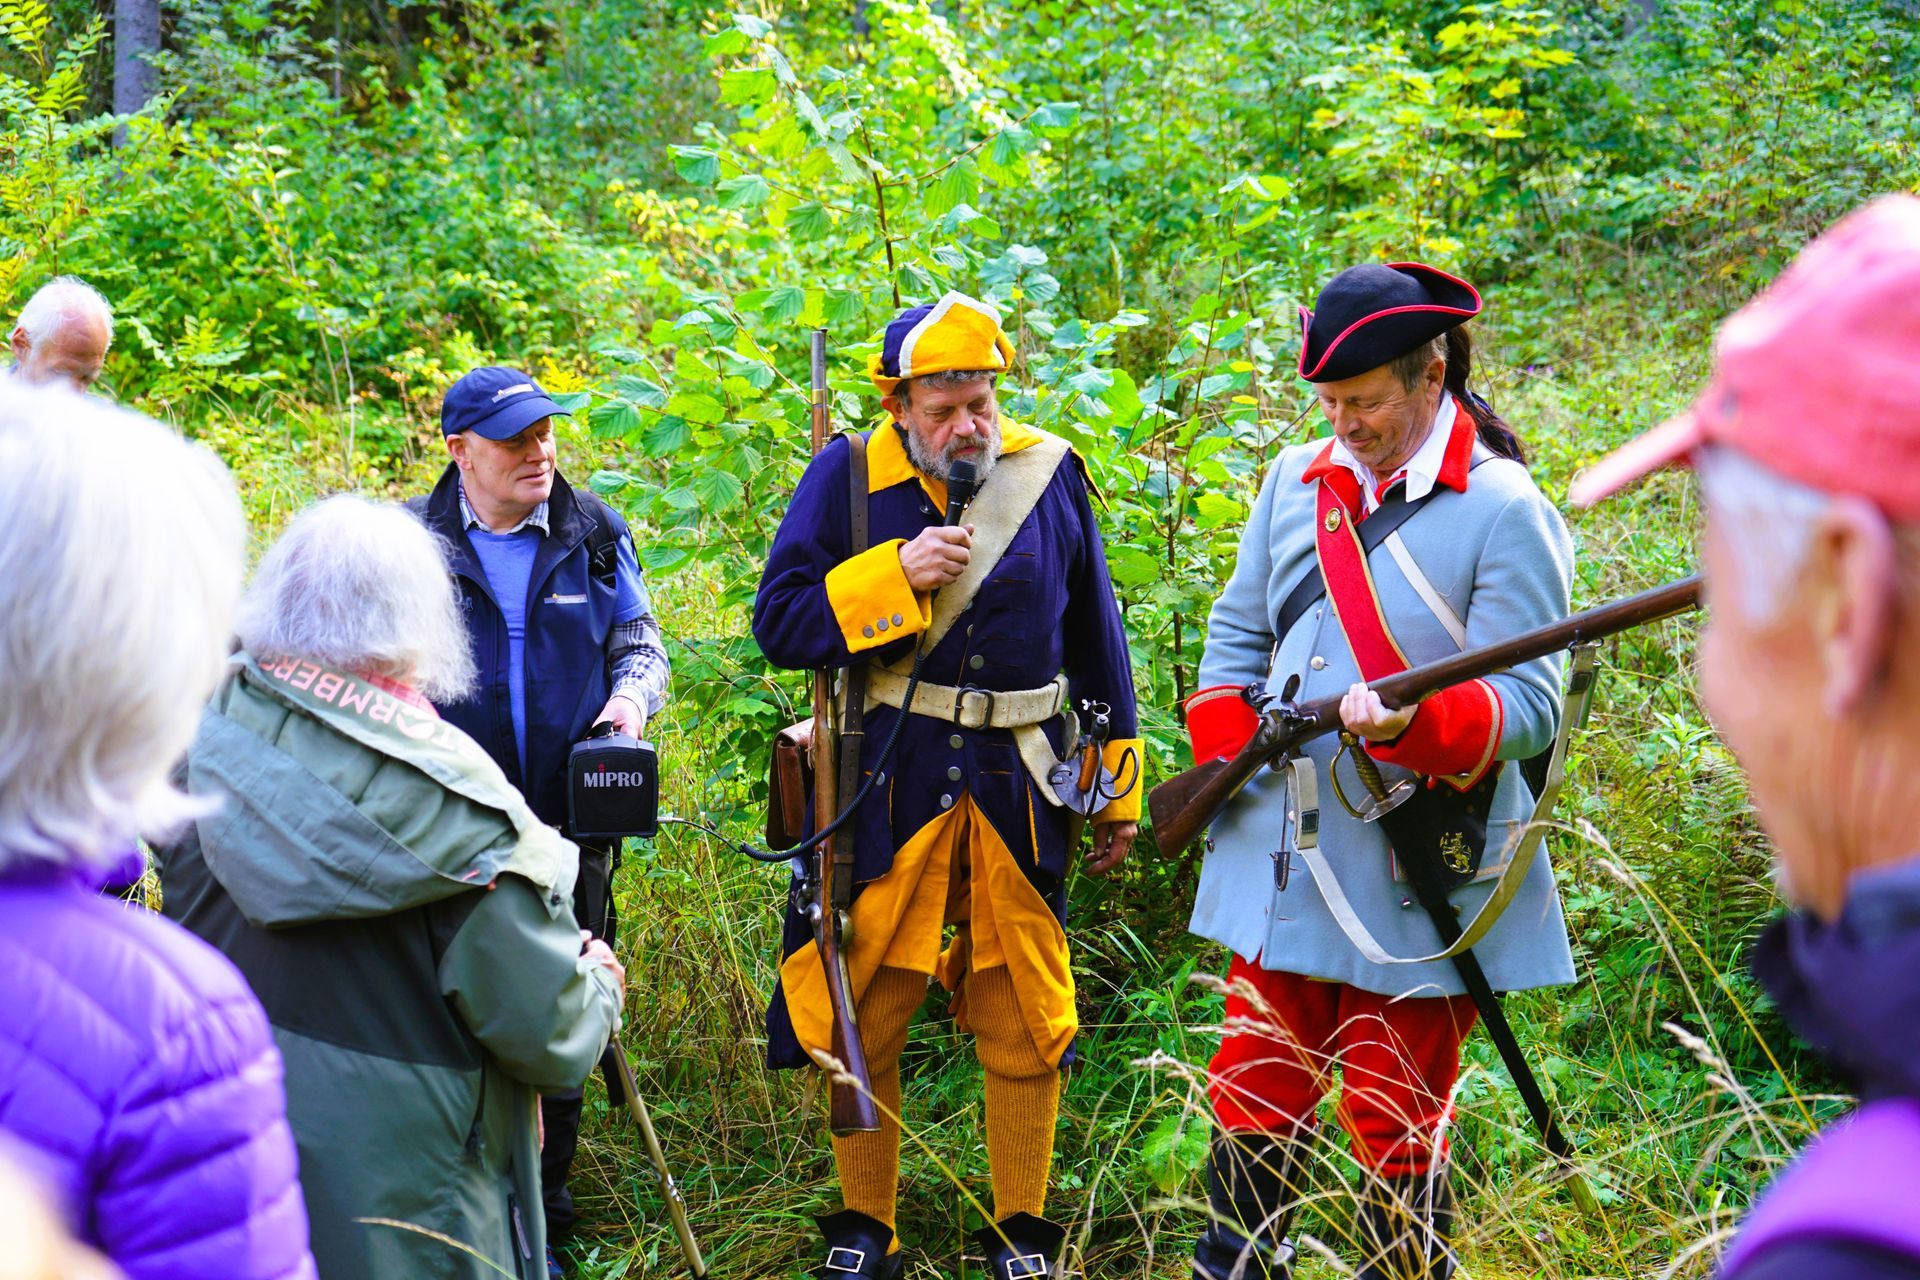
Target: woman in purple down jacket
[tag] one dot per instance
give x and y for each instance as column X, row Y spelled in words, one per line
column 138, row 1078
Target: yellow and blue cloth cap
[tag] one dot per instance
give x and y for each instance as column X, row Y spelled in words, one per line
column 956, row 332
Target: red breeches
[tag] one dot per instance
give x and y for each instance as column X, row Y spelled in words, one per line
column 1398, row 1059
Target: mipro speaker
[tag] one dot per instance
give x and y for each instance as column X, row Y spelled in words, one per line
column 613, row 786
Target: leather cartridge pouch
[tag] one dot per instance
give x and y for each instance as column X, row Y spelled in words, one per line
column 1445, row 826
column 789, row 782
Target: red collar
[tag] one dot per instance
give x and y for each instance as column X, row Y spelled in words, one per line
column 1455, row 466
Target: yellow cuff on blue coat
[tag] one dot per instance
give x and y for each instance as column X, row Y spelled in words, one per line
column 872, row 600
column 1124, row 758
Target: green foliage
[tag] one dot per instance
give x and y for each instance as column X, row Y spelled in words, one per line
column 318, row 227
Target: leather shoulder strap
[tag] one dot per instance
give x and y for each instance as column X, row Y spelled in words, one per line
column 857, row 490
column 1373, row 531
column 1004, row 502
column 853, row 681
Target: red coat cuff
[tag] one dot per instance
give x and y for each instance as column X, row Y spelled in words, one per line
column 1220, row 722
column 1453, row 736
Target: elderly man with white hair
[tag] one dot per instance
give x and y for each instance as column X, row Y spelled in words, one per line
column 403, row 915
column 1806, row 444
column 63, row 335
column 139, row 1082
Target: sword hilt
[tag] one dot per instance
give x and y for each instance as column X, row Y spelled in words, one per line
column 1364, row 766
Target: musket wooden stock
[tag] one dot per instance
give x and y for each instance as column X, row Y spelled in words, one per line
column 1185, row 805
column 850, row 1106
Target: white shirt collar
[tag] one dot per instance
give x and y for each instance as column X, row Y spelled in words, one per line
column 1422, row 470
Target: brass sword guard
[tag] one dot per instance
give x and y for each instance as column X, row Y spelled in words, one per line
column 1380, row 799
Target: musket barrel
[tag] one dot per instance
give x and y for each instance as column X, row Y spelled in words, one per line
column 1185, row 805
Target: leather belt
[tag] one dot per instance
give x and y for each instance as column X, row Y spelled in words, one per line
column 970, row 707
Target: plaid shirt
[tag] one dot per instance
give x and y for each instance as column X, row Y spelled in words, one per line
column 637, row 665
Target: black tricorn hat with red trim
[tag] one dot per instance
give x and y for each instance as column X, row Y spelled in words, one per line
column 1376, row 312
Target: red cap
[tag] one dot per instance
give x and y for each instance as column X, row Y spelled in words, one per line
column 1814, row 379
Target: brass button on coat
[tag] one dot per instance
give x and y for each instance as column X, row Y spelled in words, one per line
column 1317, row 662
column 946, row 802
column 867, row 632
column 977, row 661
column 953, row 773
column 896, row 620
column 956, row 741
column 882, row 624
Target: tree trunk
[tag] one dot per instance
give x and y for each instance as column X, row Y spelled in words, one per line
column 136, row 38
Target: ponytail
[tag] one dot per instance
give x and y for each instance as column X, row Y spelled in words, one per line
column 1492, row 428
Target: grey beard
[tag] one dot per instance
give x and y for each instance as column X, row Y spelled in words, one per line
column 940, row 466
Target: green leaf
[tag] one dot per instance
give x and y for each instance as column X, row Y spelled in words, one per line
column 784, row 302
column 960, row 184
column 614, row 418
column 667, row 436
column 748, row 191
column 572, row 401
column 717, row 489
column 609, row 482
column 660, row 557
column 637, row 389
column 808, row 221
column 698, row 165
column 1057, row 119
column 1010, row 144
column 1132, row 566
column 1213, row 509
column 748, row 86
column 844, row 306
column 697, row 407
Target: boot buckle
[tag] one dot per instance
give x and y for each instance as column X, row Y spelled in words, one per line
column 1026, row 1264
column 837, row 1259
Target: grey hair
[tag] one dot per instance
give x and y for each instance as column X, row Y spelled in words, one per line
column 361, row 586
column 1412, row 367
column 1772, row 519
column 60, row 299
column 944, row 378
column 121, row 553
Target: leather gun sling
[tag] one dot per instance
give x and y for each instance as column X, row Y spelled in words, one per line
column 853, row 681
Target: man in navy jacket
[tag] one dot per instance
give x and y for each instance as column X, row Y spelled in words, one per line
column 563, row 635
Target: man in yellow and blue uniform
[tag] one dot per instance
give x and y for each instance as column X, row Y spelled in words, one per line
column 961, row 828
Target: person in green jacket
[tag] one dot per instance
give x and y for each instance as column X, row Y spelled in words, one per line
column 402, row 915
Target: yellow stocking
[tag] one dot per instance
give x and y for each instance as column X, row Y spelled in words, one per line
column 1023, row 1095
column 869, row 1163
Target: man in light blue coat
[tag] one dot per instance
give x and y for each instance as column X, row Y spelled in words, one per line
column 1320, row 602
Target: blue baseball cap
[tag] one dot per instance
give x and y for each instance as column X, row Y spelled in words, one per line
column 495, row 402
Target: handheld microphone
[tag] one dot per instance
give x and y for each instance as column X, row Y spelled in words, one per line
column 960, row 489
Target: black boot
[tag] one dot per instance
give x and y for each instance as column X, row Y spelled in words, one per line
column 1251, row 1194
column 1403, row 1225
column 1022, row 1247
column 857, row 1248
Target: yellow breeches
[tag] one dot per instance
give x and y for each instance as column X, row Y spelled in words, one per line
column 1008, row 967
column 956, row 870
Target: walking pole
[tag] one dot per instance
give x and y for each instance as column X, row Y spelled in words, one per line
column 676, row 1207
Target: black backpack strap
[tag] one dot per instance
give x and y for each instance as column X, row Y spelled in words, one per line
column 1373, row 531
